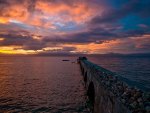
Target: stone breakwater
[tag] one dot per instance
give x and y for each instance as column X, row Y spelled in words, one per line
column 132, row 99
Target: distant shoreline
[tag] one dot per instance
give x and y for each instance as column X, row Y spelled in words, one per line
column 99, row 55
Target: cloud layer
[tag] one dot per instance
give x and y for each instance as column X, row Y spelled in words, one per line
column 76, row 26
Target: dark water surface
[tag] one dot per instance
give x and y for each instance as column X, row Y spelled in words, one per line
column 134, row 70
column 41, row 84
column 47, row 84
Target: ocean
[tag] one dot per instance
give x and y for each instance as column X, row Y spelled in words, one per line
column 41, row 84
column 48, row 84
column 135, row 70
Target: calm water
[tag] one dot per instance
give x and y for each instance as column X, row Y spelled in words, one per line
column 41, row 84
column 134, row 70
column 47, row 84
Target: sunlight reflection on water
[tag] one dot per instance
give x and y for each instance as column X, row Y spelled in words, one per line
column 41, row 84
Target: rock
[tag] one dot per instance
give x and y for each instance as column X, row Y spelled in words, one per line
column 139, row 100
column 139, row 111
column 133, row 98
column 133, row 105
column 123, row 100
column 141, row 105
column 147, row 108
column 138, row 94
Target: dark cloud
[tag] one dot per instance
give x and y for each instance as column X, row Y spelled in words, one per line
column 137, row 7
column 69, row 48
column 95, row 35
column 27, row 42
column 34, row 45
column 13, row 40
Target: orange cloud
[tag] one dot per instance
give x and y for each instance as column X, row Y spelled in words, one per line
column 46, row 14
column 16, row 11
column 91, row 48
column 124, row 45
column 78, row 12
column 37, row 21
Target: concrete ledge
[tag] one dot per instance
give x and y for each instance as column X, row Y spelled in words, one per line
column 109, row 94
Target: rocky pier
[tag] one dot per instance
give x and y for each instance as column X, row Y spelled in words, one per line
column 109, row 94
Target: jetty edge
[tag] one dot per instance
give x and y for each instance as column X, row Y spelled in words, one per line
column 108, row 94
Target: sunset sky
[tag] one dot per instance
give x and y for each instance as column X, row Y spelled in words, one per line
column 74, row 26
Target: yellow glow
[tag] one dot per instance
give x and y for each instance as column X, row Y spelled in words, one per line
column 36, row 37
column 4, row 20
column 1, row 39
column 52, row 48
column 15, row 50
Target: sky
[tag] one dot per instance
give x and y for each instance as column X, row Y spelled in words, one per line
column 74, row 26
